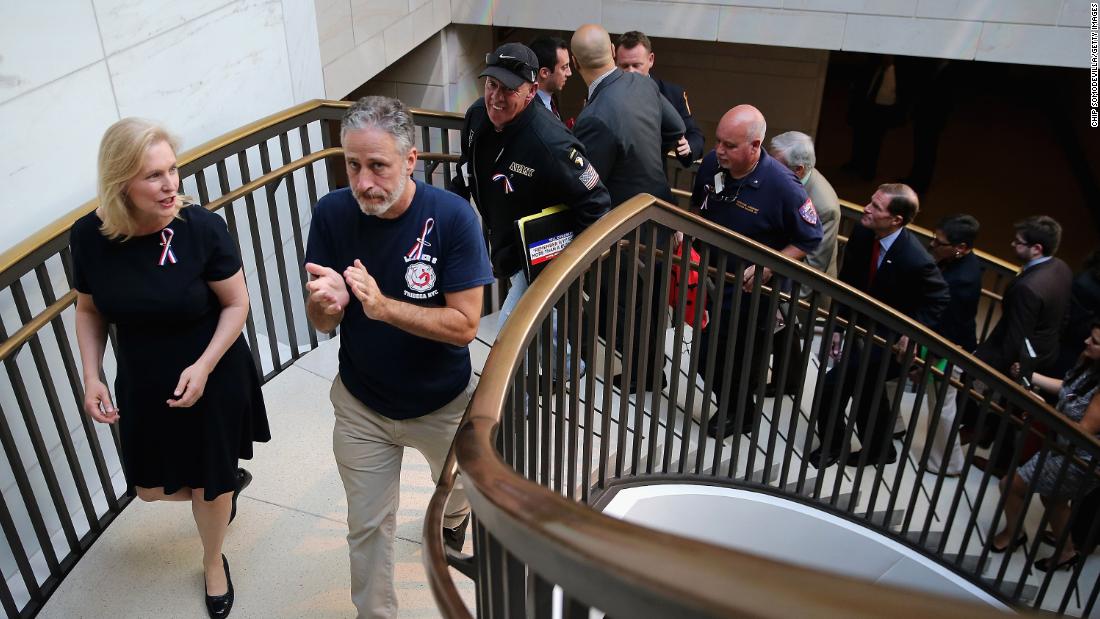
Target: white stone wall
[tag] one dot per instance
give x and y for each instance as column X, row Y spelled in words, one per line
column 69, row 68
column 360, row 38
column 1041, row 32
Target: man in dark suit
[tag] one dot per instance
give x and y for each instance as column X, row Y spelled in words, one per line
column 887, row 262
column 1033, row 309
column 1034, row 305
column 554, row 70
column 626, row 127
column 634, row 53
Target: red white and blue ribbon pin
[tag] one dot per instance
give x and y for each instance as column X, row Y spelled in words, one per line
column 166, row 254
column 507, row 183
column 422, row 242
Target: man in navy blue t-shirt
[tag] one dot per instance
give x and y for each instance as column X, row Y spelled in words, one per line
column 740, row 187
column 399, row 266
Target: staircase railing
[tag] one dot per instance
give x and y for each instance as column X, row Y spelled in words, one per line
column 63, row 483
column 538, row 457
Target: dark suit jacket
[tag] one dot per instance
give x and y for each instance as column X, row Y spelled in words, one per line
column 679, row 100
column 907, row 279
column 626, row 128
column 1034, row 306
column 964, row 281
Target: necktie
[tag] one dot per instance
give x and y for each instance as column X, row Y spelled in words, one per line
column 554, row 107
column 874, row 263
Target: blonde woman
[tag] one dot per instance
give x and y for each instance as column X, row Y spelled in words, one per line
column 168, row 276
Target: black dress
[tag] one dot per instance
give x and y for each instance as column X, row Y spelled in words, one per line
column 165, row 317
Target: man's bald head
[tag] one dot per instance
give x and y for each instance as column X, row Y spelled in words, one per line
column 739, row 136
column 592, row 48
column 745, row 120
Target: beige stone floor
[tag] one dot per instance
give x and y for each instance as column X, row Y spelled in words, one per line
column 286, row 549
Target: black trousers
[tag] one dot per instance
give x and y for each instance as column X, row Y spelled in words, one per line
column 723, row 372
column 874, row 425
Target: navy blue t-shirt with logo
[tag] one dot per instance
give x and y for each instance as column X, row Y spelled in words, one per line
column 433, row 248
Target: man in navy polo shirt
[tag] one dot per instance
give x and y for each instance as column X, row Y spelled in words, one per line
column 740, row 187
column 399, row 266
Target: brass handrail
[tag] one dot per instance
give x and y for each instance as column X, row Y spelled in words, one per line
column 574, row 542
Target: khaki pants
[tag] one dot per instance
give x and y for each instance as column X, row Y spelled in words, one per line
column 368, row 449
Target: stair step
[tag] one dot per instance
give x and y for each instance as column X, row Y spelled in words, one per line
column 773, row 474
column 931, row 541
column 890, row 520
column 1027, row 594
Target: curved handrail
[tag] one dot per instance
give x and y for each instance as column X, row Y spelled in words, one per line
column 571, row 541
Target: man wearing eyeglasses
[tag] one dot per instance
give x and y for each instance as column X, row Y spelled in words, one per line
column 741, row 187
column 1033, row 311
column 518, row 159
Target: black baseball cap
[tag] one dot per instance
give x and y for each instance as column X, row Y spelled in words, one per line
column 512, row 64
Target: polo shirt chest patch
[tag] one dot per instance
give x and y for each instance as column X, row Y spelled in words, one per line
column 420, row 276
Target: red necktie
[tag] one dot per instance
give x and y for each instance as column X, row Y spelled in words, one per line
column 874, row 263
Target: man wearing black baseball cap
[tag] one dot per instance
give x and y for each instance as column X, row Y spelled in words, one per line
column 518, row 159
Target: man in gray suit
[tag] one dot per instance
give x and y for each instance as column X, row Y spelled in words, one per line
column 795, row 150
column 626, row 127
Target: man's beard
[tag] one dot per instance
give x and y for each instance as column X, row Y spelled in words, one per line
column 379, row 208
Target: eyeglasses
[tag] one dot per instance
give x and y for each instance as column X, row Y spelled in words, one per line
column 513, row 64
column 718, row 197
column 938, row 243
column 1016, row 241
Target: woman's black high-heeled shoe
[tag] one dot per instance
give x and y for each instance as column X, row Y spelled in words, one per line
column 1044, row 565
column 218, row 606
column 1020, row 541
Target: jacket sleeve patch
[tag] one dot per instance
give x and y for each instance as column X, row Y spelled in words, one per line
column 808, row 212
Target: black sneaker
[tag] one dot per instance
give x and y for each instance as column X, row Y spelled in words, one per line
column 243, row 479
column 456, row 537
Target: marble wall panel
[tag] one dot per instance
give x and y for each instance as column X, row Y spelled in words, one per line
column 349, row 71
column 691, row 21
column 210, row 76
column 370, row 17
column 937, row 38
column 422, row 95
column 905, row 8
column 1015, row 11
column 423, row 22
column 300, row 24
column 473, row 11
column 774, row 4
column 1074, row 13
column 334, row 28
column 48, row 161
column 562, row 14
column 124, row 23
column 424, row 65
column 1043, row 45
column 42, row 41
column 399, row 38
column 790, row 28
column 441, row 13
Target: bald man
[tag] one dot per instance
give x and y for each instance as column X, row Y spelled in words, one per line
column 626, row 127
column 741, row 187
